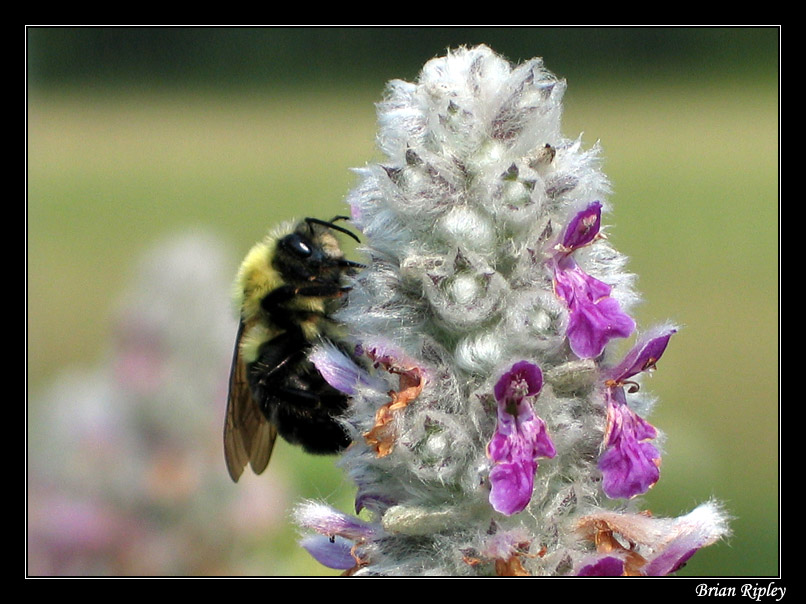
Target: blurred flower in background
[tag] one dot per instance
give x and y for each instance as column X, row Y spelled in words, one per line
column 125, row 468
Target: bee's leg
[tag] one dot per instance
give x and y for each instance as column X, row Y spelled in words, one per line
column 322, row 290
column 273, row 302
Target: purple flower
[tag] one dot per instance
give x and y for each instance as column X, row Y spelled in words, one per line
column 640, row 545
column 520, row 438
column 689, row 534
column 594, row 317
column 340, row 536
column 630, row 464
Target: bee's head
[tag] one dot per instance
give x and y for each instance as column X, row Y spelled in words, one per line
column 312, row 252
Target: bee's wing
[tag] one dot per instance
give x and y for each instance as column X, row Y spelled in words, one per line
column 248, row 435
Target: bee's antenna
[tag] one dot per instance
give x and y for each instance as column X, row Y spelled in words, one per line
column 335, row 227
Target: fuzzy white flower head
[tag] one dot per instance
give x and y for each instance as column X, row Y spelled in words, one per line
column 491, row 415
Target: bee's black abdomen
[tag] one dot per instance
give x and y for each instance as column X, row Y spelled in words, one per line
column 319, row 433
column 295, row 398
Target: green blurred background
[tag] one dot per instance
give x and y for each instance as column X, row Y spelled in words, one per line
column 135, row 134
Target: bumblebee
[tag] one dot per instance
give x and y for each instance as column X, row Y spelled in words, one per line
column 287, row 287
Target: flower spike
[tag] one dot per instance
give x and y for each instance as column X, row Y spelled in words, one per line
column 493, row 434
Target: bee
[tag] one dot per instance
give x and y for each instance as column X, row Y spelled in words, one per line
column 287, row 288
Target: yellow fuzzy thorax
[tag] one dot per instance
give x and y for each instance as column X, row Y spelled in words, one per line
column 256, row 278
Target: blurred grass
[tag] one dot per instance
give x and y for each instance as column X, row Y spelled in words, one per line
column 695, row 176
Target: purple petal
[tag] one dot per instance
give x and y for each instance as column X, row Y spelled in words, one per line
column 594, row 317
column 583, row 228
column 372, row 501
column 521, row 438
column 524, row 379
column 512, row 484
column 335, row 553
column 328, row 521
column 339, row 370
column 609, row 566
column 643, row 356
column 629, row 464
column 671, row 560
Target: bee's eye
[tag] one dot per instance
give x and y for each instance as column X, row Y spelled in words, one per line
column 298, row 246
